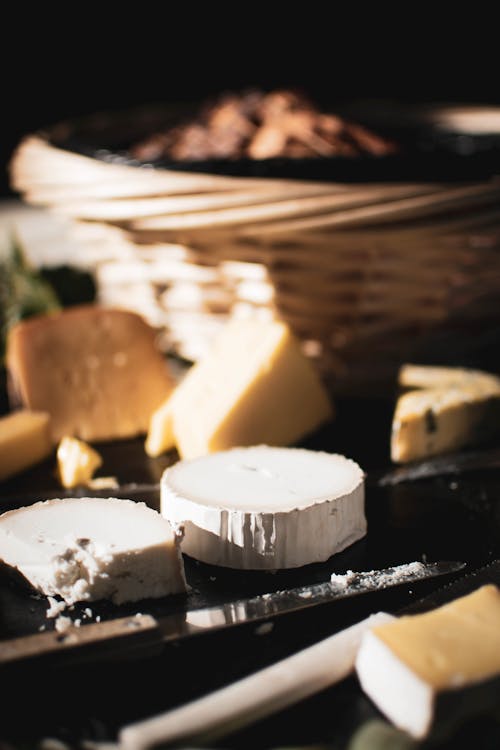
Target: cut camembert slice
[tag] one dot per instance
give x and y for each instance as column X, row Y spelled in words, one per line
column 84, row 549
column 448, row 409
column 265, row 508
column 419, row 669
column 95, row 370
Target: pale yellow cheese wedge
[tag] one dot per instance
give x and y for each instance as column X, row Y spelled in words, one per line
column 404, row 665
column 76, row 462
column 256, row 386
column 24, row 441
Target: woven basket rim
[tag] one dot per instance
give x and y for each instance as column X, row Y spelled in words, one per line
column 415, row 162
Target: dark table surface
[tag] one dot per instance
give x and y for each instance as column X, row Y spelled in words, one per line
column 454, row 517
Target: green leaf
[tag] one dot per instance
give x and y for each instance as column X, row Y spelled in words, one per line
column 23, row 292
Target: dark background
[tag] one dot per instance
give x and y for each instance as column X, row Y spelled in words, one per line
column 54, row 66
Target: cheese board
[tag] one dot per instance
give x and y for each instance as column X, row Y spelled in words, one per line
column 444, row 508
column 436, row 518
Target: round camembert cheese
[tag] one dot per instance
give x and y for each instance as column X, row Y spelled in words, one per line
column 265, row 508
column 84, row 549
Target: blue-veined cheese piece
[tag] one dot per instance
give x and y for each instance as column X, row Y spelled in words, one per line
column 262, row 507
column 449, row 409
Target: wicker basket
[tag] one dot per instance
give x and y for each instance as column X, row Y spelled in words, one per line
column 362, row 272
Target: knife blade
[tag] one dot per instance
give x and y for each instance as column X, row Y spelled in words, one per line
column 448, row 465
column 129, row 636
column 269, row 605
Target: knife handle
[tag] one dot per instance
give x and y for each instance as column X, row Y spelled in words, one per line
column 121, row 637
column 271, row 689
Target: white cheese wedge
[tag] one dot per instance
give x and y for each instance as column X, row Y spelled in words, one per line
column 451, row 409
column 416, row 668
column 255, row 386
column 265, row 508
column 93, row 548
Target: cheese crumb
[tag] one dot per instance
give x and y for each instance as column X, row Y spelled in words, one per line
column 378, row 578
column 63, row 624
column 103, row 483
column 264, row 629
column 55, row 608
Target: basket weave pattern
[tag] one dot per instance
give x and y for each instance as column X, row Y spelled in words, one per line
column 360, row 272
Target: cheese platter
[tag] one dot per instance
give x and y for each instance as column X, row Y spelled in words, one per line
column 287, row 514
column 433, row 519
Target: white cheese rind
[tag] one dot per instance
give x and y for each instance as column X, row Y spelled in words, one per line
column 85, row 549
column 295, row 529
column 395, row 689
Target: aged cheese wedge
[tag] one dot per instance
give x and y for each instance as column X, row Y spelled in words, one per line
column 76, row 462
column 84, row 549
column 24, row 441
column 451, row 409
column 415, row 667
column 96, row 370
column 254, row 387
column 265, row 508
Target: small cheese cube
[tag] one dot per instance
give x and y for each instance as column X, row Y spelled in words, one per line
column 406, row 665
column 76, row 462
column 24, row 441
column 255, row 386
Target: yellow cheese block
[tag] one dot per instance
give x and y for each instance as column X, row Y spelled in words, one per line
column 76, row 462
column 454, row 645
column 96, row 370
column 256, row 386
column 24, row 441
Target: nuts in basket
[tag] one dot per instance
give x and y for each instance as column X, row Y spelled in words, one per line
column 258, row 125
